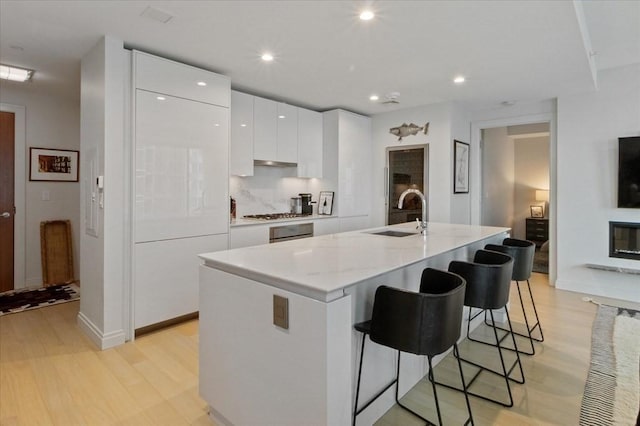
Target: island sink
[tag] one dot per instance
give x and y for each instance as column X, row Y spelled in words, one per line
column 389, row 233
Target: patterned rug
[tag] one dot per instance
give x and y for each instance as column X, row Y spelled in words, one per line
column 541, row 262
column 612, row 392
column 24, row 299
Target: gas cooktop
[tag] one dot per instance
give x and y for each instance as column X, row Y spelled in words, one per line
column 274, row 216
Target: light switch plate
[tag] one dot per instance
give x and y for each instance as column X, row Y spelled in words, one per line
column 281, row 311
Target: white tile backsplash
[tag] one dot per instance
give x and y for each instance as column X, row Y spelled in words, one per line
column 270, row 190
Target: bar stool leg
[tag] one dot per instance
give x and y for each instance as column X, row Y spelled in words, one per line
column 529, row 328
column 355, row 409
column 535, row 311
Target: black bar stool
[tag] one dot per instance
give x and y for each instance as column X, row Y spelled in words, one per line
column 488, row 278
column 522, row 252
column 425, row 323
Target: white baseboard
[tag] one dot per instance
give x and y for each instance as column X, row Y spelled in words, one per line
column 100, row 339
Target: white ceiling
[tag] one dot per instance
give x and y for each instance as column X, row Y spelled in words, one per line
column 326, row 57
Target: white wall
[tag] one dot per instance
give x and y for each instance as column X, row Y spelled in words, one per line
column 102, row 135
column 498, row 178
column 588, row 129
column 51, row 122
column 531, row 171
column 461, row 131
column 440, row 143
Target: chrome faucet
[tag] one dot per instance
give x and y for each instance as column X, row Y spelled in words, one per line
column 421, row 225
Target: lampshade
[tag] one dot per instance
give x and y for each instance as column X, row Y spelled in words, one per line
column 542, row 195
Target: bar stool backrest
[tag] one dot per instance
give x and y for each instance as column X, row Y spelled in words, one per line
column 419, row 323
column 488, row 279
column 522, row 252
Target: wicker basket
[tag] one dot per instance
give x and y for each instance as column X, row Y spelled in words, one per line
column 56, row 252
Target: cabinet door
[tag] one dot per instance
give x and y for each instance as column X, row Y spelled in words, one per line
column 287, row 150
column 173, row 78
column 354, row 164
column 246, row 236
column 241, row 148
column 309, row 143
column 182, row 165
column 166, row 277
column 265, row 129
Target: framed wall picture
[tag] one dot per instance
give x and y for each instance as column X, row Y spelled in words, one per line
column 460, row 167
column 325, row 203
column 55, row 165
column 537, row 211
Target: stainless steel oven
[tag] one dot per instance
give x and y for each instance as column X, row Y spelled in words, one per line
column 290, row 232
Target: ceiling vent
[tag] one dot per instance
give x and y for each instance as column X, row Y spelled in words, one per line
column 156, row 15
column 391, row 98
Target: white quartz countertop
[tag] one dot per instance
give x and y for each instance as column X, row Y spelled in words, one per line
column 322, row 267
column 252, row 222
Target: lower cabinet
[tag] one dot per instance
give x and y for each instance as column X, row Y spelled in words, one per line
column 253, row 235
column 166, row 277
column 353, row 223
column 246, row 236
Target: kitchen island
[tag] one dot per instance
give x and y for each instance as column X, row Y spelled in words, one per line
column 253, row 372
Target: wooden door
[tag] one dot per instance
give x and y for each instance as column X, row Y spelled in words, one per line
column 7, row 209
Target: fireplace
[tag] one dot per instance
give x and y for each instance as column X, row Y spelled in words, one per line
column 624, row 240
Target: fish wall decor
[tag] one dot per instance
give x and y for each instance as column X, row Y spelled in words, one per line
column 408, row 130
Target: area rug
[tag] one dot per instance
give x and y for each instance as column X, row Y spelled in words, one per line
column 612, row 392
column 24, row 299
column 541, row 262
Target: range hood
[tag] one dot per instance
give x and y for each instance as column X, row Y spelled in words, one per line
column 273, row 163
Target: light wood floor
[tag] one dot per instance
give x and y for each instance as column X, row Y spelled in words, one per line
column 555, row 375
column 50, row 373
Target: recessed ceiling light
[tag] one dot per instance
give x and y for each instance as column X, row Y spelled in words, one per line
column 373, row 98
column 8, row 72
column 243, row 125
column 282, row 116
column 267, row 57
column 217, row 125
column 160, row 98
column 458, row 80
column 366, row 15
column 201, row 83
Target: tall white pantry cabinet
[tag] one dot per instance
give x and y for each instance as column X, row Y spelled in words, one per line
column 181, row 192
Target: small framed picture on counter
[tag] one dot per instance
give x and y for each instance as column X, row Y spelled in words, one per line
column 537, row 211
column 325, row 203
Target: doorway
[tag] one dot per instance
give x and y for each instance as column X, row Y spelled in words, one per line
column 407, row 167
column 19, row 193
column 7, row 200
column 515, row 184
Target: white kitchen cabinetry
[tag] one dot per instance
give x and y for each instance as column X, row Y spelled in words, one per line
column 347, row 165
column 326, row 226
column 181, row 186
column 241, row 147
column 275, row 136
column 245, row 236
column 287, row 151
column 265, row 133
column 181, row 179
column 173, row 78
column 309, row 143
column 166, row 277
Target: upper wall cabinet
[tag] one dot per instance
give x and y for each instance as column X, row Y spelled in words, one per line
column 275, row 136
column 287, row 139
column 265, row 125
column 309, row 143
column 241, row 149
column 183, row 81
column 266, row 130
